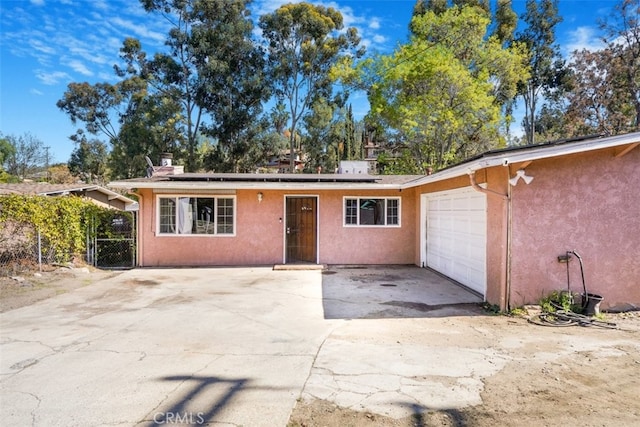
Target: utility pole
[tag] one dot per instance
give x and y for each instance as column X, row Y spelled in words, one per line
column 46, row 162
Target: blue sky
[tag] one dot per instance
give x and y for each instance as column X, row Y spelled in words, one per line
column 47, row 44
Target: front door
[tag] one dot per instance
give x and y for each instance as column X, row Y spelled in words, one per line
column 301, row 229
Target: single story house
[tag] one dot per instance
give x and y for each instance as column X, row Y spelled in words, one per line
column 495, row 223
column 99, row 195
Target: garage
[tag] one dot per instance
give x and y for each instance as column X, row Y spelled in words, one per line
column 454, row 235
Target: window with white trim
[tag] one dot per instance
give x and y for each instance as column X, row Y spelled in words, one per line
column 196, row 215
column 372, row 211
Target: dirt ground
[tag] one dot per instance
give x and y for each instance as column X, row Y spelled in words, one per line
column 24, row 289
column 587, row 388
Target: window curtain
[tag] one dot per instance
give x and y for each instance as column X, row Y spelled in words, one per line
column 185, row 215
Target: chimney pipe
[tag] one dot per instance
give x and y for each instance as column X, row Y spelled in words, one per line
column 166, row 159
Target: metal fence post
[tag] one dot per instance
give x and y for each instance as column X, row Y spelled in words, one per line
column 39, row 251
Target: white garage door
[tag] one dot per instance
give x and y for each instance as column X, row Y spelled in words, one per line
column 456, row 235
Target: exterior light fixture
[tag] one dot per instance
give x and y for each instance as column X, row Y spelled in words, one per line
column 260, row 196
column 521, row 173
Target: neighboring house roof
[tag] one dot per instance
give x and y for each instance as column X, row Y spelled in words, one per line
column 500, row 157
column 97, row 193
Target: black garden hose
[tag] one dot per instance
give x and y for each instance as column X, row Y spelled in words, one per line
column 563, row 318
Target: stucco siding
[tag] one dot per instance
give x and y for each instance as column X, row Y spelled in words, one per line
column 259, row 237
column 497, row 225
column 589, row 203
column 366, row 245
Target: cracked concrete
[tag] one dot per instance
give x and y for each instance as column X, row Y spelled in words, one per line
column 234, row 345
column 240, row 346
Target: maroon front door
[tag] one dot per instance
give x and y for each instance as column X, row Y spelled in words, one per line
column 301, row 229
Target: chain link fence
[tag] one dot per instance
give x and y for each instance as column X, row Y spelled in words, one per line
column 22, row 248
column 110, row 243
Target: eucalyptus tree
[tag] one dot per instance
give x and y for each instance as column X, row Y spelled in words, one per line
column 213, row 67
column 135, row 122
column 444, row 89
column 304, row 42
column 547, row 69
column 207, row 81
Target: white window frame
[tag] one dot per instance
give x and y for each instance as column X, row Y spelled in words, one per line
column 215, row 215
column 358, row 199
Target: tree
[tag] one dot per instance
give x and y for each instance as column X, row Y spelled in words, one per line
column 213, row 68
column 323, row 139
column 98, row 106
column 87, row 160
column 443, row 91
column 552, row 122
column 622, row 36
column 27, row 155
column 60, row 174
column 504, row 19
column 254, row 144
column 208, row 83
column 545, row 63
column 7, row 150
column 598, row 101
column 153, row 126
column 303, row 45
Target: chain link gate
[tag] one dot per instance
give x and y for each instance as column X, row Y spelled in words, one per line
column 111, row 241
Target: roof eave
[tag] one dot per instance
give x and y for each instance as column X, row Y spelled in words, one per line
column 527, row 154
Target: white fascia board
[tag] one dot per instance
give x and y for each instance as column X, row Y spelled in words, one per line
column 528, row 154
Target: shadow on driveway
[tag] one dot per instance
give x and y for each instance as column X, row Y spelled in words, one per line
column 191, row 408
column 376, row 292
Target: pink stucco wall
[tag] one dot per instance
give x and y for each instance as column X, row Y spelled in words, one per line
column 259, row 238
column 589, row 203
column 366, row 245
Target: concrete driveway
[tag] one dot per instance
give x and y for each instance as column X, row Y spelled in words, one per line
column 230, row 346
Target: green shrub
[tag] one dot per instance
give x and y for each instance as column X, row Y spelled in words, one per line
column 560, row 300
column 61, row 221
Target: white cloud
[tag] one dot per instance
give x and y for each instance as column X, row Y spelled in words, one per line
column 79, row 67
column 581, row 38
column 107, row 77
column 51, row 78
column 35, row 92
column 374, row 23
column 138, row 29
column 37, row 2
column 379, row 39
column 41, row 47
